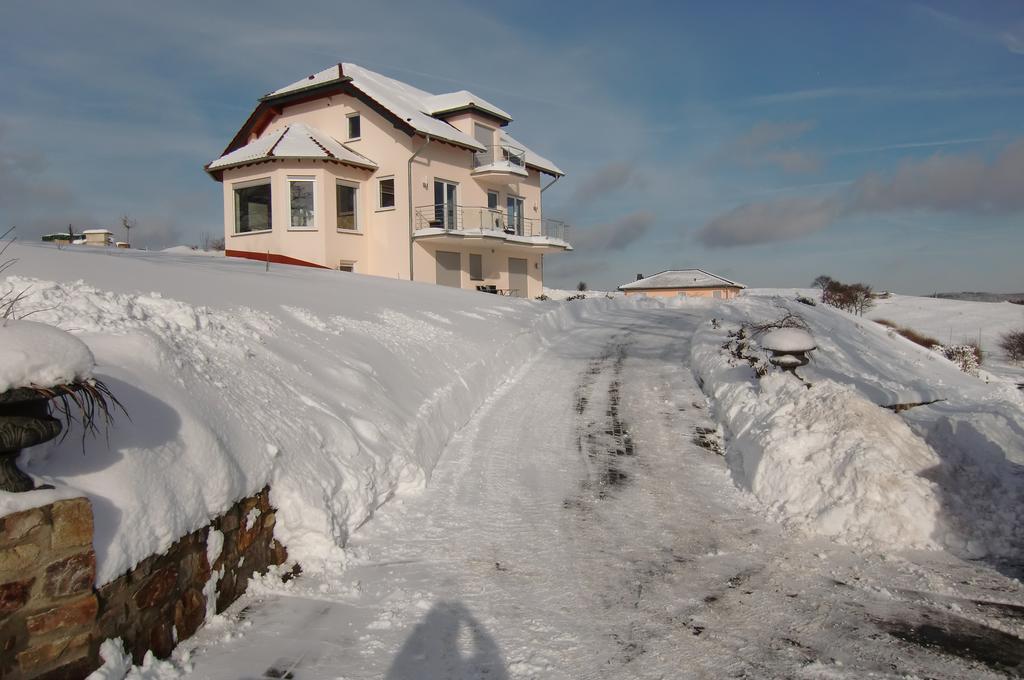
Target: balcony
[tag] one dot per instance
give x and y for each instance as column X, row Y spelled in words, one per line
column 500, row 159
column 476, row 222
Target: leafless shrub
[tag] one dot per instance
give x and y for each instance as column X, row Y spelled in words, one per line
column 787, row 320
column 855, row 298
column 1013, row 344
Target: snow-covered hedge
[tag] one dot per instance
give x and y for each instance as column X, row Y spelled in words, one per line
column 830, row 459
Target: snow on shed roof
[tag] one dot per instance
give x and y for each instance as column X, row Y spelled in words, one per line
column 415, row 106
column 681, row 278
column 463, row 99
column 97, row 231
column 296, row 140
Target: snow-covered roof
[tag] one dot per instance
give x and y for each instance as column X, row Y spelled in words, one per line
column 403, row 100
column 415, row 106
column 681, row 278
column 97, row 231
column 296, row 140
column 463, row 99
column 533, row 159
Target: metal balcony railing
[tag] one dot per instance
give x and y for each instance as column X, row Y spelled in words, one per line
column 498, row 155
column 451, row 217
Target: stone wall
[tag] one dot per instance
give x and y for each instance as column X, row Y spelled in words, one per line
column 53, row 619
column 47, row 604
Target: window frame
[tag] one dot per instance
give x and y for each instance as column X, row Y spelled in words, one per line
column 359, row 124
column 316, row 203
column 260, row 181
column 358, row 228
column 497, row 200
column 380, row 194
column 520, row 226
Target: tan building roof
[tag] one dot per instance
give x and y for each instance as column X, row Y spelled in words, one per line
column 681, row 278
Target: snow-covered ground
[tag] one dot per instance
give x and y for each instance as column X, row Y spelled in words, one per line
column 488, row 487
column 337, row 390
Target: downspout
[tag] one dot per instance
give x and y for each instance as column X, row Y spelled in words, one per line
column 411, row 227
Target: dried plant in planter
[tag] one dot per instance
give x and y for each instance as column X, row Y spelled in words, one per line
column 92, row 400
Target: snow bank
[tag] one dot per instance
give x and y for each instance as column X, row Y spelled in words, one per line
column 337, row 390
column 828, row 459
column 34, row 353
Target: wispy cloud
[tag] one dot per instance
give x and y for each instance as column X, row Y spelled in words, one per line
column 1010, row 37
column 767, row 221
column 890, row 93
column 608, row 179
column 769, row 143
column 615, row 235
column 916, row 145
column 941, row 183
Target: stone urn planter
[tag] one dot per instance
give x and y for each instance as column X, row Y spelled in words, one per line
column 43, row 371
column 25, row 421
column 789, row 347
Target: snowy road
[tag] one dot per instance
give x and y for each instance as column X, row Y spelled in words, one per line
column 575, row 529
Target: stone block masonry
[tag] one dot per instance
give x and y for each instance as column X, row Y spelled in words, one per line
column 53, row 618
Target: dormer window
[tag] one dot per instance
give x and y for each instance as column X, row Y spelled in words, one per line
column 353, row 126
column 484, row 135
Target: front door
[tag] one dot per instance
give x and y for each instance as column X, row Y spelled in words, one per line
column 449, row 269
column 517, row 280
column 445, row 205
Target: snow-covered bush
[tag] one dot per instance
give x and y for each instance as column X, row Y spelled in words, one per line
column 964, row 356
column 1013, row 344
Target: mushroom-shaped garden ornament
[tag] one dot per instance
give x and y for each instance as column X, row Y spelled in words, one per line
column 788, row 346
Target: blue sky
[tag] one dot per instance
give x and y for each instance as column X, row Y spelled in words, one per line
column 769, row 142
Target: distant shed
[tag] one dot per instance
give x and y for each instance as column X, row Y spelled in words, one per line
column 686, row 282
column 97, row 237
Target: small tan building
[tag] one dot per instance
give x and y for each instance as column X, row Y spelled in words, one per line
column 97, row 237
column 686, row 282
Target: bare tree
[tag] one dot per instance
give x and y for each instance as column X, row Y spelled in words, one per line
column 128, row 223
column 581, row 286
column 822, row 282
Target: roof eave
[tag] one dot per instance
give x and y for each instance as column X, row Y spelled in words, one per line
column 218, row 172
column 504, row 120
column 271, row 96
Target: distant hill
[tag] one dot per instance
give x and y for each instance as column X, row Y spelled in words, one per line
column 982, row 297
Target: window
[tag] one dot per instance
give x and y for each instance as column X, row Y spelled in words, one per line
column 346, row 266
column 347, row 216
column 514, row 214
column 492, row 200
column 253, row 208
column 476, row 267
column 484, row 135
column 387, row 192
column 301, row 191
column 354, row 123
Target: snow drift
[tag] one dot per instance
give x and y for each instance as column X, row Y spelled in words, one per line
column 827, row 458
